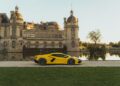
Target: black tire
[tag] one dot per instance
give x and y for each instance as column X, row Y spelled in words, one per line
column 42, row 62
column 71, row 62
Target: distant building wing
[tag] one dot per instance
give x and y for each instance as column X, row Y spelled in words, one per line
column 4, row 18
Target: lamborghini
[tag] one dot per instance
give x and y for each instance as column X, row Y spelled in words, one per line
column 56, row 58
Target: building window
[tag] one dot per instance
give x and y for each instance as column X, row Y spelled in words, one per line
column 20, row 33
column 5, row 44
column 37, row 44
column 45, row 28
column 56, row 35
column 21, row 42
column 45, row 44
column 73, row 44
column 5, row 32
column 60, row 44
column 53, row 44
column 28, row 44
column 13, row 44
column 60, row 35
column 0, row 37
column 73, row 29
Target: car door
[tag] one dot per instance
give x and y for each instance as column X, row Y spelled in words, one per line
column 58, row 59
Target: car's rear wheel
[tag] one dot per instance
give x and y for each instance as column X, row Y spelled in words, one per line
column 42, row 62
column 71, row 62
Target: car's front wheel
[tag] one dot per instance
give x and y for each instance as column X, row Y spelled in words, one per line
column 42, row 61
column 71, row 62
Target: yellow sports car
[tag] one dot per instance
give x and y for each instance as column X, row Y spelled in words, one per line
column 56, row 58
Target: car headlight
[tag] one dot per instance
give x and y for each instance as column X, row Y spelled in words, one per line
column 35, row 57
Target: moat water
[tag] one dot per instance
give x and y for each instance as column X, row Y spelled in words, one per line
column 82, row 56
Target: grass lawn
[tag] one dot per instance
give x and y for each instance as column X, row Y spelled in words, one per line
column 59, row 76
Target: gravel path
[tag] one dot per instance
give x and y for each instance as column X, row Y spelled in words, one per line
column 83, row 64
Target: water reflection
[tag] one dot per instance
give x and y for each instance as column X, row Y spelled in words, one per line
column 112, row 57
column 115, row 54
column 81, row 55
column 89, row 56
column 102, row 56
column 96, row 56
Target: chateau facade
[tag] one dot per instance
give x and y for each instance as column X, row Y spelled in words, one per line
column 17, row 34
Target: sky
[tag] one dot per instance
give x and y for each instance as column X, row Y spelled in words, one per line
column 92, row 14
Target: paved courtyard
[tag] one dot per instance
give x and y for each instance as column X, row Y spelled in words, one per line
column 83, row 64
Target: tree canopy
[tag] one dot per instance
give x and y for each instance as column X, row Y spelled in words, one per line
column 94, row 36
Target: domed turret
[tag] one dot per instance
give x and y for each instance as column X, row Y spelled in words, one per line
column 71, row 32
column 16, row 8
column 18, row 15
column 72, row 18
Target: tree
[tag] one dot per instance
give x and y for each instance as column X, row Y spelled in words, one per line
column 111, row 44
column 94, row 36
column 119, row 43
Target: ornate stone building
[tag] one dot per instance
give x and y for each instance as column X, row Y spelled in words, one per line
column 16, row 34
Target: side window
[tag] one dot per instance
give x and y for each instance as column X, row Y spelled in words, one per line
column 59, row 55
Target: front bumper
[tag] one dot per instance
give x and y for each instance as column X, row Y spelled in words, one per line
column 79, row 61
column 35, row 61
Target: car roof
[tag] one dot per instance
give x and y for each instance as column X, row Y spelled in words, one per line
column 58, row 53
